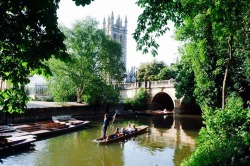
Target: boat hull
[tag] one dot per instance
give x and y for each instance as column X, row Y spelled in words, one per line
column 140, row 130
column 16, row 143
column 47, row 132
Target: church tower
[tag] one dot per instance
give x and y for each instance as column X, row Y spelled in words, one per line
column 117, row 32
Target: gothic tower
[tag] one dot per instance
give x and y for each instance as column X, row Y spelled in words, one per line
column 117, row 32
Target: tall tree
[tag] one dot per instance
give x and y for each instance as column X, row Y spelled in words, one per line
column 185, row 80
column 29, row 35
column 168, row 72
column 216, row 35
column 212, row 27
column 95, row 59
column 149, row 71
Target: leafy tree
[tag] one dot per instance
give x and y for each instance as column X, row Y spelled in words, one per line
column 225, row 139
column 60, row 85
column 149, row 71
column 95, row 62
column 185, row 80
column 215, row 31
column 185, row 85
column 216, row 34
column 29, row 35
column 168, row 72
column 101, row 93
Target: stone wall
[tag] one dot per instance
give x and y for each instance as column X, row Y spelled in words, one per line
column 36, row 114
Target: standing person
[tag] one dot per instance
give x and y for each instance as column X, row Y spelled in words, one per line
column 106, row 120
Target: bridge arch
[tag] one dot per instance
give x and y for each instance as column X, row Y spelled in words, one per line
column 161, row 101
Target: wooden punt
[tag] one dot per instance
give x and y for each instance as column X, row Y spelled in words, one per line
column 6, row 129
column 140, row 130
column 16, row 143
column 50, row 128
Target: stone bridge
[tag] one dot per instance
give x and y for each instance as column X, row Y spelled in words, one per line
column 162, row 94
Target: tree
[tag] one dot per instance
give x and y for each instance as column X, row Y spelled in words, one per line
column 140, row 102
column 216, row 34
column 168, row 72
column 60, row 89
column 212, row 27
column 185, row 80
column 149, row 71
column 225, row 139
column 29, row 35
column 101, row 93
column 95, row 60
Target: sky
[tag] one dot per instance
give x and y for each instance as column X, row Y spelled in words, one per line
column 68, row 12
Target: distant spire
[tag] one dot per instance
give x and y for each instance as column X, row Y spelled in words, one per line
column 104, row 24
column 112, row 19
column 118, row 21
column 109, row 19
column 112, row 15
column 108, row 28
column 126, row 22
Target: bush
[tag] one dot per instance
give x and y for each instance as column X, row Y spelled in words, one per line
column 225, row 140
column 140, row 102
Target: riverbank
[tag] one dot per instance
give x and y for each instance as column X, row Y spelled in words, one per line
column 39, row 110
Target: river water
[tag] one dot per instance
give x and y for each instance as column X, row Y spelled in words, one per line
column 168, row 141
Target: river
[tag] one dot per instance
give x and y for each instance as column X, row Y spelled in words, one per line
column 168, row 141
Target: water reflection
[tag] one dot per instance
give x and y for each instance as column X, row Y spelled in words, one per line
column 169, row 140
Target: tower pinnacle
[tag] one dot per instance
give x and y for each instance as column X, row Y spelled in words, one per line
column 117, row 32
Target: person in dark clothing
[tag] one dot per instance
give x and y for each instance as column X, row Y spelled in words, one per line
column 106, row 121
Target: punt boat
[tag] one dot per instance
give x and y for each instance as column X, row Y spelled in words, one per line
column 16, row 143
column 140, row 130
column 45, row 129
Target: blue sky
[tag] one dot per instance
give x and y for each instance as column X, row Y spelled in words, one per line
column 68, row 12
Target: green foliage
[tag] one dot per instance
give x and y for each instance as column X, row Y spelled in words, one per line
column 101, row 93
column 216, row 36
column 82, row 2
column 185, row 80
column 29, row 35
column 149, row 71
column 168, row 72
column 206, row 28
column 62, row 90
column 140, row 102
column 226, row 138
column 13, row 100
column 129, row 104
column 95, row 61
column 61, row 86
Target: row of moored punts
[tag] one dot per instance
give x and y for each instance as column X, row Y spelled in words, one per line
column 18, row 137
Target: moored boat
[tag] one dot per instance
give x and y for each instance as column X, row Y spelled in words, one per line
column 140, row 130
column 15, row 143
column 44, row 129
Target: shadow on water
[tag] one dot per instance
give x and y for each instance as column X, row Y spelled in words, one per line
column 164, row 122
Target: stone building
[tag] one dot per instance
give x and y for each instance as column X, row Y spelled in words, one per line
column 118, row 31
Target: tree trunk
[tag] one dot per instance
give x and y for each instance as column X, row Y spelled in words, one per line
column 226, row 72
column 79, row 95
